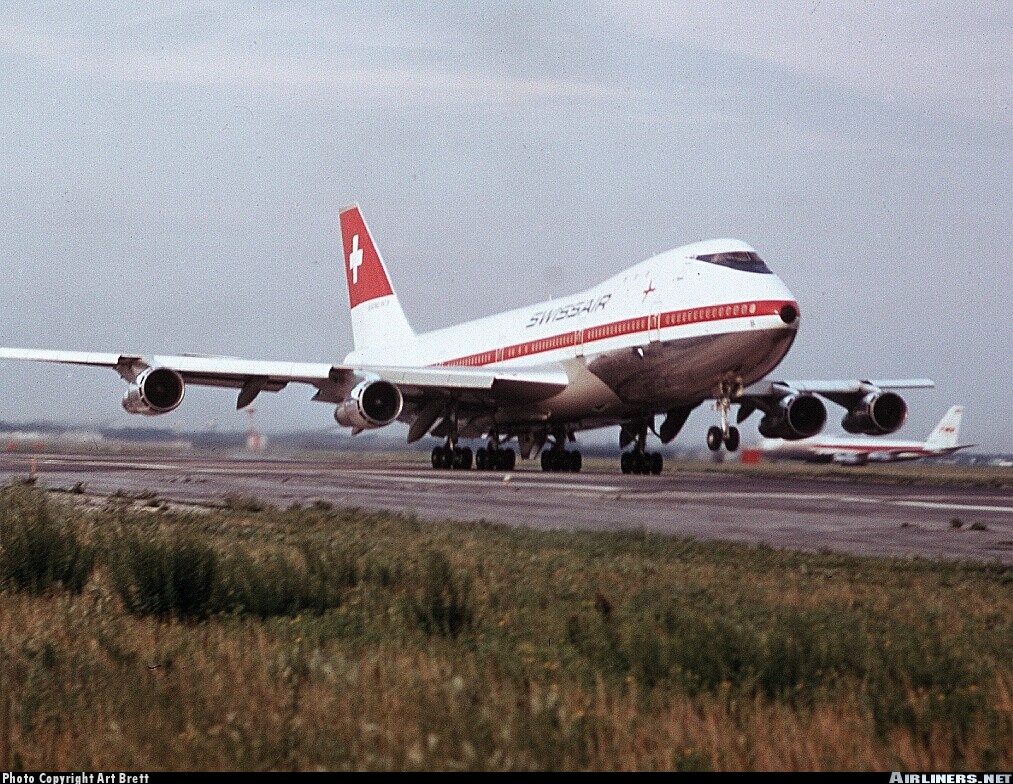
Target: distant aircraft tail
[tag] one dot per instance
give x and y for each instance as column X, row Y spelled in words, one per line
column 946, row 432
column 377, row 317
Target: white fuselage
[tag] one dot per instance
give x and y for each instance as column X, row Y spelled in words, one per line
column 849, row 450
column 664, row 333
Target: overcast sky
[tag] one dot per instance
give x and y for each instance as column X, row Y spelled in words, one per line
column 171, row 179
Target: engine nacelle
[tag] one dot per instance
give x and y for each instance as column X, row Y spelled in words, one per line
column 796, row 416
column 155, row 391
column 371, row 403
column 876, row 414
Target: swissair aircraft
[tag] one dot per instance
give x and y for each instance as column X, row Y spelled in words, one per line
column 704, row 321
column 846, row 450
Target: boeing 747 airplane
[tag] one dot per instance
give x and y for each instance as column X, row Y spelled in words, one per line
column 707, row 321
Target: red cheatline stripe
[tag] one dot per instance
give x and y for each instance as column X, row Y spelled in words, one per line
column 667, row 320
column 861, row 449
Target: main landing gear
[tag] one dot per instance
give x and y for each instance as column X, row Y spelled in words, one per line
column 495, row 458
column 726, row 434
column 558, row 457
column 489, row 458
column 451, row 456
column 562, row 460
column 638, row 460
column 635, row 462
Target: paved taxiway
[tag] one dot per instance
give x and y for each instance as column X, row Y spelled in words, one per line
column 843, row 515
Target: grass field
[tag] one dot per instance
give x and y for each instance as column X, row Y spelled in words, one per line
column 143, row 639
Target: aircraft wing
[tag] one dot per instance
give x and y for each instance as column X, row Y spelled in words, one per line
column 478, row 386
column 830, row 389
column 872, row 407
column 846, row 393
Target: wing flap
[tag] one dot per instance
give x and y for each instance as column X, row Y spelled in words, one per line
column 485, row 384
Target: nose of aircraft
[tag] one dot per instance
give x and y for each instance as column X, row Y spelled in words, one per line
column 776, row 291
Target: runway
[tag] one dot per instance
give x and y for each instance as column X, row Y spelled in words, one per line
column 808, row 514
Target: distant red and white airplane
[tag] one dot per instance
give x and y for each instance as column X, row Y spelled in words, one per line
column 704, row 321
column 853, row 450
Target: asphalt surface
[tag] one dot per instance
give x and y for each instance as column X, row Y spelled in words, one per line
column 808, row 514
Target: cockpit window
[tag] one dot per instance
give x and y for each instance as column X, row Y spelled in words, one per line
column 744, row 261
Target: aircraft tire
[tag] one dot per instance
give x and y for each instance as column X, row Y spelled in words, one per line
column 714, row 438
column 657, row 463
column 626, row 462
column 732, row 442
column 481, row 459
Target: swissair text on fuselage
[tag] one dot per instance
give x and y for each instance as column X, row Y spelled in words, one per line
column 569, row 311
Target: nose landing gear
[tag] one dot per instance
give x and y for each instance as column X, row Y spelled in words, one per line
column 725, row 434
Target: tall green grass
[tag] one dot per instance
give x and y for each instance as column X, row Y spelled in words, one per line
column 39, row 549
column 166, row 576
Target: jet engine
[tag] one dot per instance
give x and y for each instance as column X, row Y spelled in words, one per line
column 876, row 413
column 371, row 403
column 796, row 416
column 155, row 391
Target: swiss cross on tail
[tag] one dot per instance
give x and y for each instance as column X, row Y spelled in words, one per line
column 364, row 270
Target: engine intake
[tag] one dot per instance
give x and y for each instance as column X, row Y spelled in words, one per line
column 877, row 413
column 155, row 391
column 796, row 416
column 370, row 404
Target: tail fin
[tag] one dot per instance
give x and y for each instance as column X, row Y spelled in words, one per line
column 377, row 317
column 945, row 434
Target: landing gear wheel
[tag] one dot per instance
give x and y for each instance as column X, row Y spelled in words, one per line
column 506, row 459
column 634, row 462
column 732, row 439
column 481, row 461
column 714, row 438
column 561, row 460
column 443, row 457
